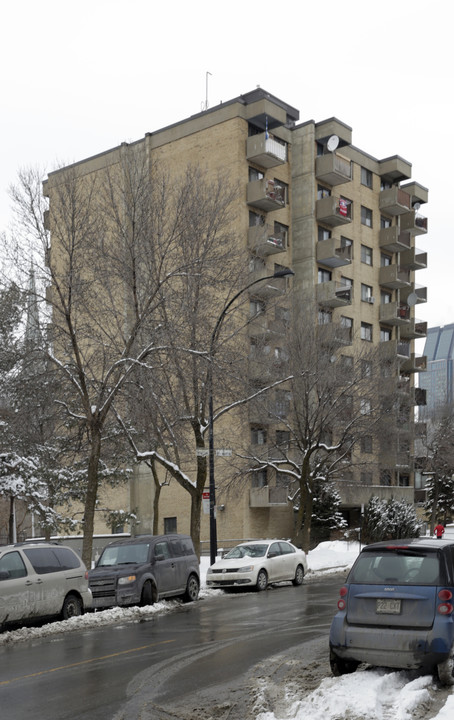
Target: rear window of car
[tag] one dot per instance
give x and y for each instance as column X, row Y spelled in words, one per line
column 182, row 547
column 49, row 560
column 401, row 568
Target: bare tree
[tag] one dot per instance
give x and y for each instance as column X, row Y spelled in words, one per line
column 118, row 258
column 307, row 430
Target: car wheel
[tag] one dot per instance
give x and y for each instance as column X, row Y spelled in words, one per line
column 192, row 589
column 148, row 595
column 72, row 607
column 445, row 669
column 262, row 580
column 341, row 667
column 299, row 576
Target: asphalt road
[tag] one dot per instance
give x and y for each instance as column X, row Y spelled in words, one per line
column 119, row 671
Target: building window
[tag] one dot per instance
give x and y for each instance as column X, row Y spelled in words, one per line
column 323, row 233
column 322, row 192
column 385, row 477
column 366, row 331
column 385, row 297
column 385, row 334
column 385, row 185
column 385, row 260
column 320, row 148
column 366, row 216
column 258, row 436
column 259, row 479
column 281, row 232
column 282, row 314
column 385, row 222
column 255, row 174
column 346, row 242
column 256, row 307
column 346, row 363
column 366, row 293
column 366, row 444
column 324, row 275
column 366, row 255
column 284, row 190
column 324, row 316
column 170, row 525
column 366, row 478
column 366, row 369
column 366, row 177
column 346, row 282
column 256, row 219
column 282, row 403
column 404, row 481
column 365, row 407
column 283, row 438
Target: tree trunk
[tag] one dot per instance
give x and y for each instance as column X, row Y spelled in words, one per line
column 196, row 508
column 91, row 497
column 157, row 495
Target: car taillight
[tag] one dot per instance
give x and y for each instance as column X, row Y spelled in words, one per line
column 445, row 607
column 342, row 602
column 86, row 574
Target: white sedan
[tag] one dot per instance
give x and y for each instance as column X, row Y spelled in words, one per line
column 257, row 564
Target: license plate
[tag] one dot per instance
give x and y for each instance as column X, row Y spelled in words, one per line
column 388, row 606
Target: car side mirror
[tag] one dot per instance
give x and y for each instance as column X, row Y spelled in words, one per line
column 4, row 575
column 273, row 554
column 159, row 557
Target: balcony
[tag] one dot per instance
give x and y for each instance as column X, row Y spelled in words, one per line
column 394, row 313
column 413, row 330
column 394, row 349
column 334, row 211
column 414, row 223
column 272, row 287
column 265, row 194
column 330, row 253
column 413, row 259
column 418, row 396
column 353, row 494
column 267, row 496
column 414, row 294
column 266, row 151
column 334, row 294
column 394, row 201
column 414, row 363
column 394, row 169
column 333, row 169
column 262, row 241
column 393, row 277
column 335, row 335
column 393, row 240
column 258, row 326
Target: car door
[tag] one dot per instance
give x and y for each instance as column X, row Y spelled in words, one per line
column 51, row 581
column 289, row 560
column 17, row 588
column 164, row 568
column 274, row 563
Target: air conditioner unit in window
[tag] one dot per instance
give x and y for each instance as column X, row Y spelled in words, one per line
column 371, row 300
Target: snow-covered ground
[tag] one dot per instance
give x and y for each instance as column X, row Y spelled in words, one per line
column 375, row 694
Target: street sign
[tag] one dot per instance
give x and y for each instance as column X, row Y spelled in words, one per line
column 223, row 453
column 202, row 452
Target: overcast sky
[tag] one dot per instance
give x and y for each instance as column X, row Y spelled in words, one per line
column 81, row 76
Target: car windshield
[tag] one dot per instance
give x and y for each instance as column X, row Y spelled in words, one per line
column 399, row 567
column 124, row 555
column 241, row 551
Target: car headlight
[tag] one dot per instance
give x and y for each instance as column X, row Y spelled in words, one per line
column 126, row 580
column 246, row 568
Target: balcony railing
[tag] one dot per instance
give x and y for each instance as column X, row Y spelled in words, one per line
column 334, row 294
column 414, row 363
column 272, row 287
column 394, row 313
column 266, row 151
column 330, row 253
column 414, row 329
column 333, row 335
column 394, row 201
column 265, row 194
column 414, row 294
column 333, row 169
column 334, row 210
column 394, row 277
column 415, row 223
column 394, row 240
column 263, row 241
column 413, row 259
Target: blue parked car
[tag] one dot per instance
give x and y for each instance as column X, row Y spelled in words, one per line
column 396, row 609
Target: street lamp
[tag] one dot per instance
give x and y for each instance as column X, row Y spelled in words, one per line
column 213, row 529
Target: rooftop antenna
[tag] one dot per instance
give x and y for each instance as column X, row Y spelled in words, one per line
column 205, row 106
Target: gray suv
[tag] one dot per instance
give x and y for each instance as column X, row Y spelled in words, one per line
column 144, row 569
column 39, row 579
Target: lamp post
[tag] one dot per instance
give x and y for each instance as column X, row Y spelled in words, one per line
column 213, row 527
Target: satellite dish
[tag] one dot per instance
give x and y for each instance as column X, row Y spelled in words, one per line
column 412, row 299
column 332, row 143
column 416, row 205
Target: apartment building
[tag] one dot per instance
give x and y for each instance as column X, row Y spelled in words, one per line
column 346, row 224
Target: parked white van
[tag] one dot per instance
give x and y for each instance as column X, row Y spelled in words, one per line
column 41, row 580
